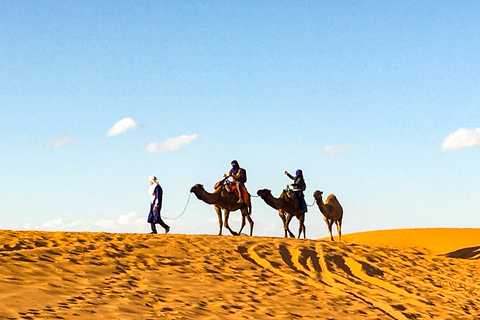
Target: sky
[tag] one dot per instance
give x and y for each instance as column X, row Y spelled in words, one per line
column 378, row 102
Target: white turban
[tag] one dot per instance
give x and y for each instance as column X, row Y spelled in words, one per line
column 152, row 179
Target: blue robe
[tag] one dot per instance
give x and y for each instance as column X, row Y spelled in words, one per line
column 154, row 215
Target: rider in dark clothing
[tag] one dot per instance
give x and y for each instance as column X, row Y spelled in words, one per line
column 298, row 186
column 239, row 178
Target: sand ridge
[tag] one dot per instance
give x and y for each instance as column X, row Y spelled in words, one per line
column 72, row 275
column 459, row 243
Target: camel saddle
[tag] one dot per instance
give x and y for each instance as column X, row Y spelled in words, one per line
column 232, row 189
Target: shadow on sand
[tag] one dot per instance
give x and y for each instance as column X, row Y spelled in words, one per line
column 472, row 253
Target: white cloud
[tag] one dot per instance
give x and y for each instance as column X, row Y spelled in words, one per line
column 60, row 224
column 121, row 127
column 331, row 150
column 134, row 222
column 462, row 138
column 131, row 222
column 130, row 218
column 171, row 144
column 60, row 141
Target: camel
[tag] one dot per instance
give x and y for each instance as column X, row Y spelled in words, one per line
column 287, row 209
column 222, row 199
column 332, row 212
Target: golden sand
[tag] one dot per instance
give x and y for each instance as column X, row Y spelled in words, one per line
column 392, row 274
column 431, row 241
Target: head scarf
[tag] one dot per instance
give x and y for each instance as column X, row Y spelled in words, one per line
column 235, row 166
column 153, row 179
column 151, row 190
column 299, row 173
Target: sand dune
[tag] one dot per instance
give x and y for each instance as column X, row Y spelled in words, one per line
column 430, row 241
column 393, row 274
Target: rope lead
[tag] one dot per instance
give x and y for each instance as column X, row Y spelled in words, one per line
column 181, row 214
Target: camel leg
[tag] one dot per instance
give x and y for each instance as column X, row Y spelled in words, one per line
column 284, row 220
column 289, row 218
column 246, row 214
column 339, row 229
column 227, row 214
column 251, row 224
column 243, row 224
column 301, row 222
column 220, row 222
column 329, row 224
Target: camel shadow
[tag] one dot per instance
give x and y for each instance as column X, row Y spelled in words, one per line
column 472, row 253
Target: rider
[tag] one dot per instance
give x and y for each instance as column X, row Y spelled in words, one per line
column 239, row 176
column 298, row 186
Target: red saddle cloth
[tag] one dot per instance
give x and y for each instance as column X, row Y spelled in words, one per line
column 245, row 197
column 232, row 188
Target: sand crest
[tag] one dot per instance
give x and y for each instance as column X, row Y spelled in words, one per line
column 56, row 275
column 428, row 240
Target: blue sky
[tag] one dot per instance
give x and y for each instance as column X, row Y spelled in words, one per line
column 377, row 102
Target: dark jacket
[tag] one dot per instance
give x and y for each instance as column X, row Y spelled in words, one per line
column 298, row 182
column 299, row 186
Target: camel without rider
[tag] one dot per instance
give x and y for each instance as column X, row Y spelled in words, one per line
column 332, row 212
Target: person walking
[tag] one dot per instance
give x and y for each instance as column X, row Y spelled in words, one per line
column 156, row 193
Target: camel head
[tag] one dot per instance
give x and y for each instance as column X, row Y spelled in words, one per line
column 318, row 195
column 262, row 193
column 196, row 188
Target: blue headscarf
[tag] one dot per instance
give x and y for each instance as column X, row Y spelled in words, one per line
column 299, row 173
column 235, row 166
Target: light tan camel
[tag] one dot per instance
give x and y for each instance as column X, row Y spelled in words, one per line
column 332, row 212
column 222, row 199
column 287, row 209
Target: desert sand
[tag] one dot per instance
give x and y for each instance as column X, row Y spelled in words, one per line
column 391, row 274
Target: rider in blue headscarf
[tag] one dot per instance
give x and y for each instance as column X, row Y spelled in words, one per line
column 298, row 186
column 239, row 178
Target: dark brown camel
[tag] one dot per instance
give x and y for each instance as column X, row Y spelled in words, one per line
column 332, row 212
column 222, row 199
column 287, row 209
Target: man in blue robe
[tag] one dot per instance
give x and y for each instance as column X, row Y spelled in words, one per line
column 155, row 191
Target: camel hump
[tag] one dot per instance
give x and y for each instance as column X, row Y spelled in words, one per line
column 331, row 199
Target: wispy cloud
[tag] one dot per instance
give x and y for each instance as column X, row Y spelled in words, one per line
column 171, row 144
column 60, row 141
column 130, row 222
column 121, row 127
column 134, row 222
column 462, row 138
column 332, row 150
